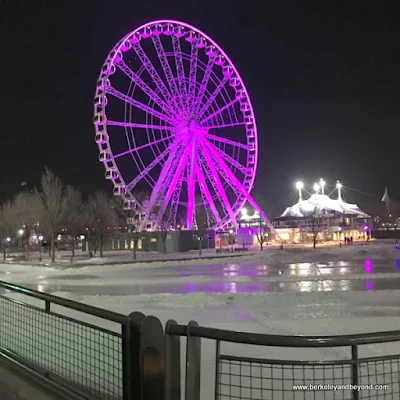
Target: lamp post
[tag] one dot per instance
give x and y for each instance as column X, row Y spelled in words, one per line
column 299, row 187
column 40, row 247
column 339, row 190
column 322, row 184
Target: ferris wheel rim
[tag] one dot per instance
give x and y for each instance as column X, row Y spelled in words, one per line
column 111, row 60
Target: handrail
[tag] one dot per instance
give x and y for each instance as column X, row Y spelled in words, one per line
column 283, row 340
column 85, row 308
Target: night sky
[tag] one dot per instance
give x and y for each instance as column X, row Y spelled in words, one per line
column 323, row 76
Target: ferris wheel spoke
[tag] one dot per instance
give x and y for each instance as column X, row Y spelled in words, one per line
column 191, row 185
column 213, row 96
column 192, row 76
column 220, row 110
column 139, row 126
column 204, row 83
column 116, row 93
column 206, row 193
column 226, row 125
column 142, row 147
column 167, row 68
column 148, row 169
column 228, row 158
column 235, row 184
column 179, row 65
column 135, row 78
column 177, row 177
column 220, row 188
column 226, row 141
column 154, row 75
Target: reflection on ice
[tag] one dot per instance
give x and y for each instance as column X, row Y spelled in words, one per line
column 231, row 278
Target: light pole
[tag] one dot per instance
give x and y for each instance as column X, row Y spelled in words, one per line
column 339, row 190
column 299, row 187
column 40, row 247
column 322, row 184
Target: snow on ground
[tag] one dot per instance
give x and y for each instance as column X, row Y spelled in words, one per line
column 329, row 310
column 375, row 249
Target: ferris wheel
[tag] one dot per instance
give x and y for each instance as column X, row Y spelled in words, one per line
column 173, row 119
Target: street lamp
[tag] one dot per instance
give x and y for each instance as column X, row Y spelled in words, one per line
column 299, row 187
column 316, row 188
column 339, row 190
column 8, row 239
column 322, row 184
column 20, row 232
column 40, row 247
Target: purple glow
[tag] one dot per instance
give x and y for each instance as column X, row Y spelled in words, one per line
column 170, row 112
column 369, row 266
column 369, row 285
column 366, row 227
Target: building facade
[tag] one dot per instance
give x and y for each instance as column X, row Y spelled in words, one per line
column 324, row 218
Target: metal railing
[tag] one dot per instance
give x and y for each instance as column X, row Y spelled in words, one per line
column 98, row 354
column 239, row 375
column 93, row 353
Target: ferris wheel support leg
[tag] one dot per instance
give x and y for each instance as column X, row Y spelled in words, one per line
column 172, row 186
column 234, row 182
column 191, row 186
column 221, row 192
column 155, row 194
column 204, row 190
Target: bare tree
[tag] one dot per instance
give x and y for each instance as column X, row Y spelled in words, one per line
column 74, row 220
column 51, row 195
column 28, row 213
column 101, row 215
column 315, row 222
column 7, row 225
column 262, row 236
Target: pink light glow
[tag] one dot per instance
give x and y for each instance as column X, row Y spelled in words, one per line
column 369, row 266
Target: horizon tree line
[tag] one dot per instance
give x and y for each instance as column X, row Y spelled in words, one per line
column 54, row 206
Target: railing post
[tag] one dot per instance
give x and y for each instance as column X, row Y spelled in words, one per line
column 152, row 357
column 217, row 366
column 354, row 372
column 131, row 357
column 193, row 365
column 172, row 364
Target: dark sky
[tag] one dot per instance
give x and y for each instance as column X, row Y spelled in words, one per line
column 324, row 78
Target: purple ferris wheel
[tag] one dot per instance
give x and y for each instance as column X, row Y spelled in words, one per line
column 173, row 119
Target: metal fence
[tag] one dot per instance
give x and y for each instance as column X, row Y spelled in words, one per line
column 97, row 354
column 92, row 353
column 345, row 377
